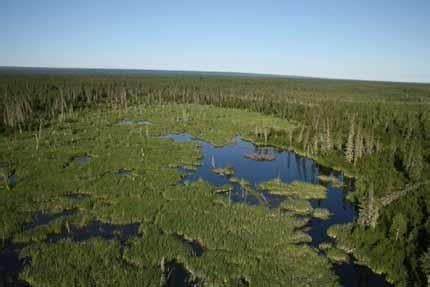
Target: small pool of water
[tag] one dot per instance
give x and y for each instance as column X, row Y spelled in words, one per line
column 143, row 122
column 140, row 122
column 41, row 218
column 82, row 159
column 11, row 265
column 124, row 172
column 10, row 181
column 195, row 245
column 126, row 122
column 77, row 197
column 289, row 167
column 97, row 229
column 177, row 276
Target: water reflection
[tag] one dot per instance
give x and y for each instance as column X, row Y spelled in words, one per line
column 288, row 167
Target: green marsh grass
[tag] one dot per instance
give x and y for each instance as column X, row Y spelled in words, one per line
column 241, row 241
column 295, row 189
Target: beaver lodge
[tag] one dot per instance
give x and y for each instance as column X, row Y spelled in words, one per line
column 259, row 157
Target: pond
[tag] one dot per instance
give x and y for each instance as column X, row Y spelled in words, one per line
column 288, row 167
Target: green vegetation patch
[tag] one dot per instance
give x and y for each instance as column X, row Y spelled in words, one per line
column 334, row 254
column 324, row 246
column 223, row 189
column 297, row 205
column 296, row 189
column 224, row 171
column 92, row 262
column 334, row 181
column 337, row 255
column 321, row 213
column 215, row 125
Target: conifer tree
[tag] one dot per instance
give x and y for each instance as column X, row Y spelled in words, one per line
column 349, row 153
column 358, row 146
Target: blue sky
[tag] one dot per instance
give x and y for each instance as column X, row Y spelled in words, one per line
column 377, row 40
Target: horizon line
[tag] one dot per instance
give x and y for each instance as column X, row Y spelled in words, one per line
column 214, row 72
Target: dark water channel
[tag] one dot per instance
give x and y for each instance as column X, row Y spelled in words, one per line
column 197, row 248
column 10, row 263
column 289, row 167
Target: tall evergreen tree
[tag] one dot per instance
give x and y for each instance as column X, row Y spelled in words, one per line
column 349, row 153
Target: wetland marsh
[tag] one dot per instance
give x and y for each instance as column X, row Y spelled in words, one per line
column 167, row 211
column 323, row 208
column 172, row 191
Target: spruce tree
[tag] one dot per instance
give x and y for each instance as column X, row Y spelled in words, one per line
column 349, row 153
